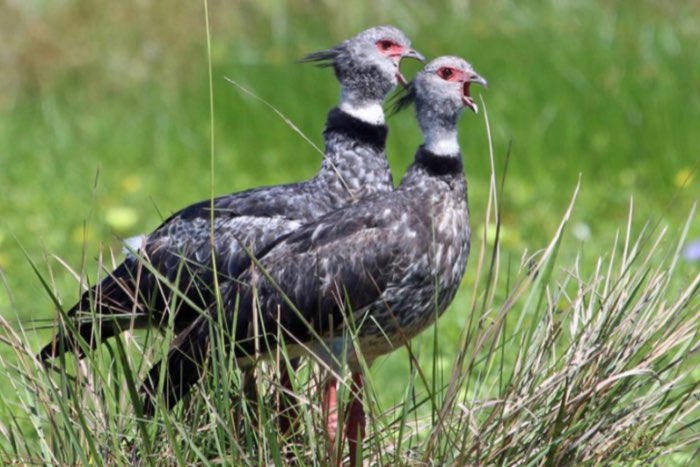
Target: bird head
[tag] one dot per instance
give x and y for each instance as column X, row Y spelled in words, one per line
column 444, row 82
column 367, row 64
column 441, row 91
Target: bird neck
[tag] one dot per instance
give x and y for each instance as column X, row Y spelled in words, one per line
column 441, row 141
column 363, row 89
column 429, row 168
column 439, row 165
column 355, row 163
column 368, row 112
column 438, row 124
column 346, row 129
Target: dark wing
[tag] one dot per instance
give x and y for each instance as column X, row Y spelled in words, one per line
column 177, row 256
column 313, row 279
column 254, row 217
column 343, row 262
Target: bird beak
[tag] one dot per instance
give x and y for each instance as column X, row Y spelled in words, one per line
column 413, row 53
column 401, row 79
column 478, row 80
column 408, row 53
column 467, row 99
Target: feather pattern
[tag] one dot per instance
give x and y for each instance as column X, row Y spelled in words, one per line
column 394, row 262
column 387, row 266
column 176, row 259
column 180, row 249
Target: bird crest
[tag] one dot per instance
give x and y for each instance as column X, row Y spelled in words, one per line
column 403, row 98
column 323, row 59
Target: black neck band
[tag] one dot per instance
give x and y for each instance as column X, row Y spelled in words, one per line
column 355, row 129
column 439, row 165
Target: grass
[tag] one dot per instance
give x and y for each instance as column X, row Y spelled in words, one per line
column 567, row 369
column 106, row 112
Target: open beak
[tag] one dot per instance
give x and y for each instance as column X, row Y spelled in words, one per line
column 400, row 78
column 413, row 53
column 479, row 80
column 408, row 53
column 466, row 96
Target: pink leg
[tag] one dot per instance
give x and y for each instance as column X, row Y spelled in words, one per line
column 330, row 412
column 355, row 426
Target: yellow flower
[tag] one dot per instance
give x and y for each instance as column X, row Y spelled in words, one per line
column 684, row 177
column 131, row 183
column 121, row 218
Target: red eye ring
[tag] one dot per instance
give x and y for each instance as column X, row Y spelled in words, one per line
column 385, row 45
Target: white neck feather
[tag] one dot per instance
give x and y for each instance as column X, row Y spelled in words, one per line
column 369, row 113
column 441, row 142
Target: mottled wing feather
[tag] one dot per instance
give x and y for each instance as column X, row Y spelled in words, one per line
column 179, row 250
column 344, row 262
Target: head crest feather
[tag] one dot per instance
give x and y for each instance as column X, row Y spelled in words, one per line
column 403, row 98
column 324, row 58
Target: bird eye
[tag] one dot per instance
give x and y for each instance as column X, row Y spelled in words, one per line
column 385, row 45
column 445, row 73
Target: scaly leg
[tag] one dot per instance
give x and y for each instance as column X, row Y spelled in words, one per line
column 330, row 413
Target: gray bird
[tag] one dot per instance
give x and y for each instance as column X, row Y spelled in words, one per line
column 382, row 269
column 180, row 249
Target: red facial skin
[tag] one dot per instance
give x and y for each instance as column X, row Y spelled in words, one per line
column 391, row 49
column 458, row 76
column 394, row 51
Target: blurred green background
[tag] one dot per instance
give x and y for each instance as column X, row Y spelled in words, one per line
column 105, row 128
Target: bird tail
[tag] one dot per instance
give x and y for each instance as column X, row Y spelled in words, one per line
column 113, row 296
column 65, row 340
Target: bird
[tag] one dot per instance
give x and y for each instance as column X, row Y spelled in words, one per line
column 174, row 263
column 381, row 270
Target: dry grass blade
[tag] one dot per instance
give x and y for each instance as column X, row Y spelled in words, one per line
column 277, row 112
column 618, row 386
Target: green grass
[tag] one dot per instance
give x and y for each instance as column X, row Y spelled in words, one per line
column 105, row 128
column 567, row 368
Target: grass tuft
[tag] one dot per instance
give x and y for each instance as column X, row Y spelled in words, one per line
column 568, row 368
column 583, row 352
